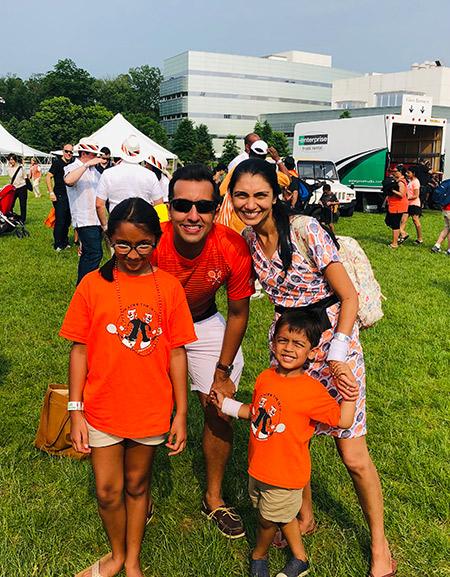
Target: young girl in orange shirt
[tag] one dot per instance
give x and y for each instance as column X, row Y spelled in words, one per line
column 128, row 323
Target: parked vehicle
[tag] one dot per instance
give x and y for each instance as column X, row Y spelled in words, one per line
column 316, row 173
column 364, row 148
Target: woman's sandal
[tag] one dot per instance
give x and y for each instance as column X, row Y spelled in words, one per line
column 95, row 568
column 392, row 573
column 150, row 513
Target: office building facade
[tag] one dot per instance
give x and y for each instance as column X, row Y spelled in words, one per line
column 228, row 92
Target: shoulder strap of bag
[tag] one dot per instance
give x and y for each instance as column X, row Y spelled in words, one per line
column 15, row 174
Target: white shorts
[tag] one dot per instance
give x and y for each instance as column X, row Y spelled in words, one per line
column 203, row 355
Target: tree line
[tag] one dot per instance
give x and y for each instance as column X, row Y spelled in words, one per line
column 68, row 103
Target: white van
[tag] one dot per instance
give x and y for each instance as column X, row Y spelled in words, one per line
column 320, row 171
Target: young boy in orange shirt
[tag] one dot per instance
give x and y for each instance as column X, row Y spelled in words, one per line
column 286, row 404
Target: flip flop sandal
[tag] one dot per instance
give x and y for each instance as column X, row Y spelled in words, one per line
column 95, row 568
column 392, row 573
column 150, row 514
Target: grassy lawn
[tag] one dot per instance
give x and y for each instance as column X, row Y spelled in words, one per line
column 48, row 520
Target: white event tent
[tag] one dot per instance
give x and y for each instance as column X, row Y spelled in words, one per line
column 9, row 144
column 118, row 129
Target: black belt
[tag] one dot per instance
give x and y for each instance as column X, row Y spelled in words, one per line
column 319, row 307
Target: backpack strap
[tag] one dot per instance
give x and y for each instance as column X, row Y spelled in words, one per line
column 16, row 173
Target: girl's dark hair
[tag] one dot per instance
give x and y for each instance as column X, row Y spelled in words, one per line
column 136, row 211
column 413, row 169
column 156, row 171
column 307, row 321
column 257, row 166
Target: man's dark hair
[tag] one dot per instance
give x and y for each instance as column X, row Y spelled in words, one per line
column 326, row 187
column 219, row 167
column 297, row 321
column 289, row 163
column 193, row 172
column 105, row 150
column 12, row 157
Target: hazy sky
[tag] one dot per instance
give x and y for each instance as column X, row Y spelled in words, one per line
column 107, row 37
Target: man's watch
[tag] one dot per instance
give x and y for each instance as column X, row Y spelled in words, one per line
column 227, row 369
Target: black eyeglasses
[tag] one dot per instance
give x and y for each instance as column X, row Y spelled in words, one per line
column 185, row 205
column 142, row 248
column 68, row 151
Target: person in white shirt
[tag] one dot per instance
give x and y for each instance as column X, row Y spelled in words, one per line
column 126, row 179
column 82, row 178
column 248, row 141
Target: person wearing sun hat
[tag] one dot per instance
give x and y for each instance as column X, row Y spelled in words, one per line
column 158, row 166
column 126, row 179
column 81, row 179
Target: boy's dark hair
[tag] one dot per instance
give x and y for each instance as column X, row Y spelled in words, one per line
column 326, row 188
column 197, row 172
column 136, row 211
column 289, row 162
column 296, row 320
column 105, row 150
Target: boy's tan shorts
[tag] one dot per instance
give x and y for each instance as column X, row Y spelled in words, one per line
column 100, row 439
column 275, row 504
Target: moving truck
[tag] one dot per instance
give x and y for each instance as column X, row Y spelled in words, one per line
column 364, row 148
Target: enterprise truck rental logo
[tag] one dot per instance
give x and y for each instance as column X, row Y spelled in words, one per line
column 313, row 140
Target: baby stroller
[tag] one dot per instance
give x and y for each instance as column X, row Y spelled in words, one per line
column 9, row 221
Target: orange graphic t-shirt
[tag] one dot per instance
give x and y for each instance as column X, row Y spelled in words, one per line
column 283, row 415
column 130, row 326
column 225, row 259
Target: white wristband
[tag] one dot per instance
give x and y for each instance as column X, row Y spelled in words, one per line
column 338, row 351
column 231, row 407
column 75, row 406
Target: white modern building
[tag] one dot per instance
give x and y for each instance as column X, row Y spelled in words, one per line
column 381, row 90
column 228, row 92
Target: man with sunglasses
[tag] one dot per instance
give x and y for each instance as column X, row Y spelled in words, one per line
column 205, row 256
column 57, row 191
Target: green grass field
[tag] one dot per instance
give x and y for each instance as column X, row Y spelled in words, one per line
column 49, row 525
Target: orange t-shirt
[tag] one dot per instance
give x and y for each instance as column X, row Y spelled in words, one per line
column 284, row 411
column 129, row 326
column 397, row 204
column 225, row 259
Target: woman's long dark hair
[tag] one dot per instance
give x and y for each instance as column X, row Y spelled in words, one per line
column 136, row 211
column 256, row 166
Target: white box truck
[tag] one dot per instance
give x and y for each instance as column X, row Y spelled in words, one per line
column 363, row 148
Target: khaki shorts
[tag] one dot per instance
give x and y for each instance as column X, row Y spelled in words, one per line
column 100, row 439
column 275, row 504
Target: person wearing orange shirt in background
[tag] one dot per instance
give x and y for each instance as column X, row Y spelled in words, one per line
column 204, row 256
column 35, row 177
column 285, row 406
column 129, row 322
column 397, row 205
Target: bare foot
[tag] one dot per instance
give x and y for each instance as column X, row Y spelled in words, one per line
column 109, row 567
column 133, row 570
column 381, row 561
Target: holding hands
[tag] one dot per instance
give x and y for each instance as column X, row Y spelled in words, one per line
column 344, row 380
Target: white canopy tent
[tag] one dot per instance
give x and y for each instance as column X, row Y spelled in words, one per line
column 118, row 129
column 11, row 145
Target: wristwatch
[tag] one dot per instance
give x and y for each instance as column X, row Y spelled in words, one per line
column 227, row 369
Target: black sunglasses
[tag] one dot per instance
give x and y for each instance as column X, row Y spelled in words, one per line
column 185, row 205
column 68, row 151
